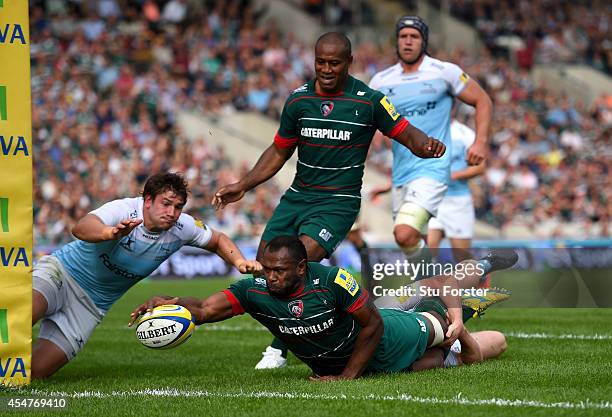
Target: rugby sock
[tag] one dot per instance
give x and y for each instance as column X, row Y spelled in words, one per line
column 278, row 344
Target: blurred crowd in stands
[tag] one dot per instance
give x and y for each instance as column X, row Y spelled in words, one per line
column 543, row 31
column 110, row 76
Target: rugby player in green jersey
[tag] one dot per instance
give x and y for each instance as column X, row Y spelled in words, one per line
column 327, row 320
column 330, row 121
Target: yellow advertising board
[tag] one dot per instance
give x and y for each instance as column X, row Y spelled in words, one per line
column 15, row 194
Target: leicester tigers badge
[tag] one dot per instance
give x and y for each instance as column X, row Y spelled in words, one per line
column 296, row 308
column 326, row 108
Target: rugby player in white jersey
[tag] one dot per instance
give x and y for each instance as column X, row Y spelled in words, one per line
column 423, row 89
column 455, row 218
column 117, row 245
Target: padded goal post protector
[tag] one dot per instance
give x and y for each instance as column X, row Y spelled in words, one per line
column 15, row 194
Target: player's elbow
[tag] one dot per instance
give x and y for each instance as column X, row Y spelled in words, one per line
column 79, row 230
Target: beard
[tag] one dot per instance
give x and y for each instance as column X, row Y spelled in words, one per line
column 409, row 62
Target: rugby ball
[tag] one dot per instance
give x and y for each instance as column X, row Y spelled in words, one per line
column 165, row 327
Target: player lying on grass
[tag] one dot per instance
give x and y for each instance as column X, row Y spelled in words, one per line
column 330, row 121
column 117, row 245
column 327, row 320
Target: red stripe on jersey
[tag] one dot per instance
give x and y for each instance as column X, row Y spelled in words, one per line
column 236, row 306
column 328, row 98
column 322, row 187
column 308, row 292
column 259, row 292
column 361, row 301
column 318, row 145
column 399, row 128
column 282, row 142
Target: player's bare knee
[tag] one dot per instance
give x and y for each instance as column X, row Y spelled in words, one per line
column 406, row 236
column 501, row 343
column 41, row 368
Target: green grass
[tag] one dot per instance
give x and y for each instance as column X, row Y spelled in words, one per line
column 217, row 365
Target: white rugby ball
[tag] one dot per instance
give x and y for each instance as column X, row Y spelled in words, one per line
column 165, row 327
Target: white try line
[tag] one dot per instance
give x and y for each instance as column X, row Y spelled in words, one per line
column 517, row 335
column 456, row 400
column 596, row 336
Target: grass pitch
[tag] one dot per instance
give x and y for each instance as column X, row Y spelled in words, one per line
column 558, row 363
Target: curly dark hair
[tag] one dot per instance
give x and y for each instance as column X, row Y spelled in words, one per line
column 164, row 181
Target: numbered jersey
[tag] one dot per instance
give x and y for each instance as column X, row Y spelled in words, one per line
column 106, row 270
column 333, row 134
column 425, row 98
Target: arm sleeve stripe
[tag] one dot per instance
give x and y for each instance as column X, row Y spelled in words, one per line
column 236, row 306
column 361, row 301
column 399, row 128
column 282, row 142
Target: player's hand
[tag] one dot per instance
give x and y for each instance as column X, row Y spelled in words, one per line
column 428, row 148
column 228, row 194
column 378, row 191
column 477, row 153
column 150, row 305
column 249, row 267
column 123, row 228
column 453, row 332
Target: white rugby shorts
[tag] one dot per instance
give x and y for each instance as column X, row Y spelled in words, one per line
column 71, row 315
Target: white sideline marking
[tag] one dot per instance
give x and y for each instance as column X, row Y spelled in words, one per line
column 596, row 336
column 456, row 400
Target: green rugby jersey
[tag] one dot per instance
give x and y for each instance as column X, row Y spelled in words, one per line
column 316, row 325
column 333, row 134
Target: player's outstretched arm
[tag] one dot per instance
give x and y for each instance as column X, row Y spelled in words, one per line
column 269, row 163
column 217, row 307
column 469, row 172
column 224, row 247
column 371, row 331
column 91, row 229
column 419, row 143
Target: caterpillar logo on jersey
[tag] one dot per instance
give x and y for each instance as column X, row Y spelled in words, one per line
column 313, row 132
column 464, row 78
column 296, row 308
column 346, row 281
column 389, row 107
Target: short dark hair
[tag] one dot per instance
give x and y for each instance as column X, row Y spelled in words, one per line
column 166, row 181
column 336, row 38
column 293, row 244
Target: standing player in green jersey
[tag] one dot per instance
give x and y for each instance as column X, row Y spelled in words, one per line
column 326, row 319
column 331, row 121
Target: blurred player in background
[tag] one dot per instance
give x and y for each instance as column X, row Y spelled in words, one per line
column 117, row 245
column 423, row 90
column 331, row 121
column 455, row 218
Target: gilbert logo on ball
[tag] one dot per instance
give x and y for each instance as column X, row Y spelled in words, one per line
column 165, row 327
